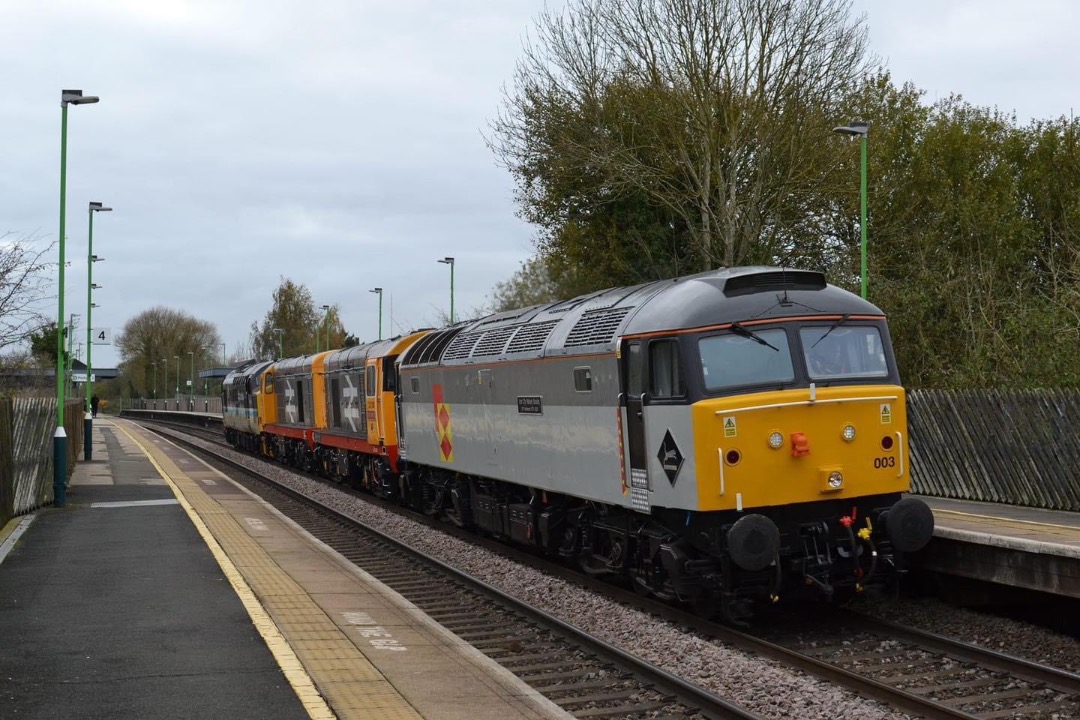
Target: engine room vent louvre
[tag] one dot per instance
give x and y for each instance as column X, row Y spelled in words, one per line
column 429, row 348
column 462, row 346
column 530, row 338
column 595, row 327
column 493, row 341
column 775, row 280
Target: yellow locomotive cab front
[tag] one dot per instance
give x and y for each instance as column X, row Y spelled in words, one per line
column 800, row 445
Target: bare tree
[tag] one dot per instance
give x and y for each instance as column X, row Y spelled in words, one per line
column 718, row 111
column 22, row 286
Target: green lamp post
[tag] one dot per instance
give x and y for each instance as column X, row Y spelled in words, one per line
column 91, row 258
column 326, row 326
column 67, row 97
column 450, row 261
column 378, row 291
column 191, row 380
column 860, row 130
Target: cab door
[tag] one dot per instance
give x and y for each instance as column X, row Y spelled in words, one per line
column 633, row 402
column 371, row 390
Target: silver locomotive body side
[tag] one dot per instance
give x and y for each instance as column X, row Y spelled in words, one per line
column 522, row 422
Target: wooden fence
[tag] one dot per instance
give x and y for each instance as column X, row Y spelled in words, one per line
column 27, row 426
column 1020, row 447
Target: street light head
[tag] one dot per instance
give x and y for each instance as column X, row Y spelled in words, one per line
column 94, row 305
column 95, row 258
column 855, row 129
column 447, row 261
column 98, row 207
column 325, row 307
column 378, row 291
column 75, row 97
column 95, row 286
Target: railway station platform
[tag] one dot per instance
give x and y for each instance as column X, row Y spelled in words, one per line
column 1021, row 547
column 165, row 590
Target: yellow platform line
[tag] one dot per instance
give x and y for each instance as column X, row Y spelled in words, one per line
column 287, row 660
column 1007, row 520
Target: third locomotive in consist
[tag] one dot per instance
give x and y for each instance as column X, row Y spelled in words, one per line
column 724, row 439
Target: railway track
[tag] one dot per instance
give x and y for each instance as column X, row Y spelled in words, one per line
column 959, row 679
column 906, row 668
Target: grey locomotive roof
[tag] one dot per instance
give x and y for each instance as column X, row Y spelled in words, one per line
column 593, row 323
column 246, row 369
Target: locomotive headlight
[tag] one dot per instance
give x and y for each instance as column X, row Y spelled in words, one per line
column 776, row 440
column 836, row 480
column 848, row 433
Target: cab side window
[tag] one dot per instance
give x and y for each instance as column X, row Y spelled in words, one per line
column 665, row 372
column 370, row 382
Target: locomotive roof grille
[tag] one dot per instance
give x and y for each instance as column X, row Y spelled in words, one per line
column 429, row 348
column 773, row 280
column 493, row 342
column 596, row 327
column 530, row 338
column 462, row 346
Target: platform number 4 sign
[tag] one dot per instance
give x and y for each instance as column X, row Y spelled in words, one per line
column 101, row 336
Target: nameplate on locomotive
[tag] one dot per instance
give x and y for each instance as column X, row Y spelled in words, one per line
column 530, row 405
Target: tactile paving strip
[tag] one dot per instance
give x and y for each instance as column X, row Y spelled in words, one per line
column 345, row 678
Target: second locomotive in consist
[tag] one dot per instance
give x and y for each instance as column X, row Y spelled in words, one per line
column 722, row 439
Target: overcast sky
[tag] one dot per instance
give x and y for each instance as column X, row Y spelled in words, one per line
column 339, row 143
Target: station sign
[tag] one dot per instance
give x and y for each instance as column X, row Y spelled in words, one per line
column 101, row 336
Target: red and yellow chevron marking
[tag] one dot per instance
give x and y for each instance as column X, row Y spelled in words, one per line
column 443, row 429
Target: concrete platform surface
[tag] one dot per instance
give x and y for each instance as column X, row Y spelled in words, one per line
column 166, row 590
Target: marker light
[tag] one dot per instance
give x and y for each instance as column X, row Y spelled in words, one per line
column 886, row 442
column 836, row 480
column 848, row 433
column 776, row 440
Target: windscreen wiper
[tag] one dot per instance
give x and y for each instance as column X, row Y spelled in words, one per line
column 740, row 330
column 838, row 323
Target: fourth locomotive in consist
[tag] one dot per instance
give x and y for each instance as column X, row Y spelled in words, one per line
column 725, row 439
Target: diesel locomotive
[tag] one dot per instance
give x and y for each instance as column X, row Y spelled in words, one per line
column 725, row 439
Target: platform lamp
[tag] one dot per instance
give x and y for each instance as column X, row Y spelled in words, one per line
column 378, row 291
column 176, row 393
column 326, row 325
column 280, row 332
column 164, row 378
column 191, row 380
column 860, row 130
column 67, row 97
column 450, row 261
column 91, row 258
